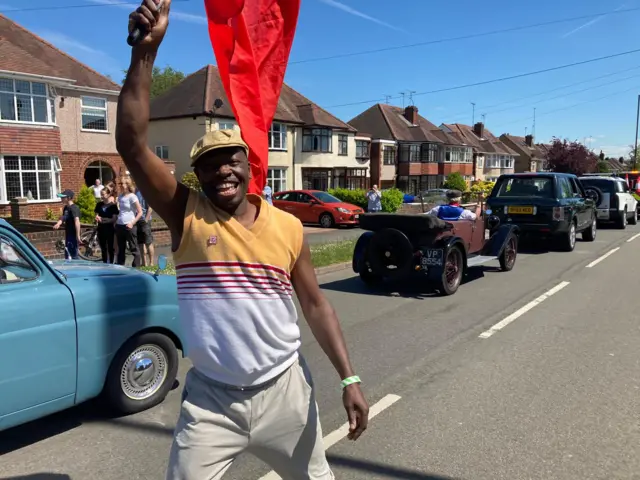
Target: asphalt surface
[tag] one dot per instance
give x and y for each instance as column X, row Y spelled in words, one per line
column 554, row 394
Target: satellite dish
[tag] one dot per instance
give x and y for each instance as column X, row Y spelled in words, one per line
column 217, row 103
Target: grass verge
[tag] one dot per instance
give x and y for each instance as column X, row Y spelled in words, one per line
column 322, row 255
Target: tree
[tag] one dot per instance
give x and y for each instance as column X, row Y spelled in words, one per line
column 602, row 167
column 163, row 80
column 571, row 157
column 455, row 181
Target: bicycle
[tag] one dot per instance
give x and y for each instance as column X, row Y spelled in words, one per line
column 88, row 241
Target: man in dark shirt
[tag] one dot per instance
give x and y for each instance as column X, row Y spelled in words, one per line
column 71, row 219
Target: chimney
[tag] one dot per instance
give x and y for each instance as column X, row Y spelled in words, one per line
column 411, row 114
column 478, row 129
column 529, row 141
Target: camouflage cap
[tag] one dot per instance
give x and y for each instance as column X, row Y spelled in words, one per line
column 216, row 140
column 454, row 194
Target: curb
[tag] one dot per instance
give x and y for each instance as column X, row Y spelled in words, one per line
column 332, row 268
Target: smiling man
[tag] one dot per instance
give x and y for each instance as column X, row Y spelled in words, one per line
column 239, row 261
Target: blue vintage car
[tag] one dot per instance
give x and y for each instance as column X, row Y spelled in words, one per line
column 74, row 330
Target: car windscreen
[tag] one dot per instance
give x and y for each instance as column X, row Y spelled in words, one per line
column 325, row 197
column 606, row 186
column 540, row 187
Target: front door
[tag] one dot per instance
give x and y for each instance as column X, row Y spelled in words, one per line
column 37, row 336
column 307, row 209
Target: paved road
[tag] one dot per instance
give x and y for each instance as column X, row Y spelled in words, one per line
column 552, row 395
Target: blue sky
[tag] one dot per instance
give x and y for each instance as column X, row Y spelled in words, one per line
column 96, row 36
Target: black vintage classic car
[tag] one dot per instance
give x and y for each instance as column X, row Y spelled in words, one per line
column 395, row 247
column 551, row 205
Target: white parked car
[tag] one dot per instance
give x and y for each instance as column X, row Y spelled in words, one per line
column 614, row 201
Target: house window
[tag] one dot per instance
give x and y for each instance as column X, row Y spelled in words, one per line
column 94, row 114
column 316, row 140
column 278, row 136
column 479, row 161
column 356, row 178
column 458, row 155
column 506, row 161
column 316, row 178
column 162, row 151
column 226, row 125
column 27, row 102
column 492, row 161
column 343, row 145
column 277, row 179
column 389, row 156
column 409, row 153
column 429, row 153
column 33, row 177
column 362, row 149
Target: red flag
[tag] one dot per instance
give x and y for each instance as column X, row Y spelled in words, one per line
column 252, row 41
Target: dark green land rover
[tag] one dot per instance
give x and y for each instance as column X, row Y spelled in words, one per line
column 549, row 205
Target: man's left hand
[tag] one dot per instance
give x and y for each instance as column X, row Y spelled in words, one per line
column 357, row 410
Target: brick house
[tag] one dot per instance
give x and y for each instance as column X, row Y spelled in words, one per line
column 308, row 147
column 491, row 156
column 410, row 152
column 57, row 122
column 531, row 157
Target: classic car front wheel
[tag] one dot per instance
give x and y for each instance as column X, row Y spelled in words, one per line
column 508, row 256
column 142, row 373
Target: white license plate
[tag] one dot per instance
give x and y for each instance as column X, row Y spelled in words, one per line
column 356, row 217
column 603, row 213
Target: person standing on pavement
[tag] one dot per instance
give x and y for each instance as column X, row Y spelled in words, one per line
column 239, row 261
column 71, row 220
column 106, row 216
column 145, row 235
column 267, row 194
column 97, row 188
column 129, row 214
column 374, row 200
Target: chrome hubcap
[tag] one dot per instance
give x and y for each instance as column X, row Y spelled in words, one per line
column 144, row 372
column 572, row 235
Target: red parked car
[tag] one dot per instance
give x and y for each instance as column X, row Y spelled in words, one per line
column 315, row 206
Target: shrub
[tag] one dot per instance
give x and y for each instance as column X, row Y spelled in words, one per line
column 190, row 180
column 356, row 197
column 455, row 181
column 86, row 201
column 51, row 215
column 392, row 200
column 636, row 196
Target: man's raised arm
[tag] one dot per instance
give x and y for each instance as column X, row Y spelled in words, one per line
column 163, row 192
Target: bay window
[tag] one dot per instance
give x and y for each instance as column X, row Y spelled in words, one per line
column 362, row 149
column 278, row 136
column 492, row 161
column 33, row 177
column 506, row 161
column 317, row 140
column 389, row 156
column 25, row 102
column 343, row 145
column 409, row 153
column 458, row 155
column 429, row 153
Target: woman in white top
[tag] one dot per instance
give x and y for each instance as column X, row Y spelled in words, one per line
column 130, row 213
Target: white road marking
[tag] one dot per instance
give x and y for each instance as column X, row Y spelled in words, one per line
column 599, row 259
column 337, row 435
column 518, row 313
column 633, row 238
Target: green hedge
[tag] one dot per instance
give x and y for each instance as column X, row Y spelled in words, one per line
column 391, row 199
